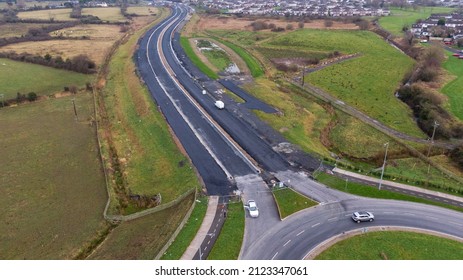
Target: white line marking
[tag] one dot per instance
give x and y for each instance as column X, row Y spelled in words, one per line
column 215, row 230
column 409, row 214
column 388, row 212
column 316, row 225
column 287, row 242
column 332, row 219
column 205, row 248
column 431, row 217
column 456, row 224
column 300, row 233
column 437, row 198
column 208, row 242
column 275, row 255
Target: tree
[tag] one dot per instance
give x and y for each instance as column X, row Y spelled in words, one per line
column 31, row 96
column 328, row 23
column 300, row 25
column 289, row 26
column 441, row 22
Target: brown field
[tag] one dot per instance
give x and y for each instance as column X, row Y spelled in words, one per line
column 99, row 32
column 111, row 14
column 56, row 14
column 144, row 237
column 52, row 188
column 17, row 29
column 142, row 10
column 96, row 50
column 230, row 23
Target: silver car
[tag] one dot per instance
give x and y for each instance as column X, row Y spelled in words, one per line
column 363, row 217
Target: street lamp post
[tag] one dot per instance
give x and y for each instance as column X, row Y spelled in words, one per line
column 384, row 166
column 436, row 124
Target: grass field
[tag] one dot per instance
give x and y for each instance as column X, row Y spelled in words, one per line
column 25, row 77
column 143, row 238
column 17, row 29
column 142, row 10
column 290, row 202
column 367, row 82
column 55, row 14
column 52, row 187
column 218, row 58
column 150, row 160
column 110, row 14
column 373, row 192
column 196, row 60
column 188, row 232
column 394, row 245
column 95, row 32
column 453, row 89
column 401, row 17
column 228, row 244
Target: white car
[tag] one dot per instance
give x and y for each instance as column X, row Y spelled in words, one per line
column 363, row 217
column 253, row 210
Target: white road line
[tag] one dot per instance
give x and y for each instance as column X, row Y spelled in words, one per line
column 428, row 196
column 409, row 214
column 208, row 242
column 205, row 248
column 388, row 213
column 332, row 219
column 457, row 224
column 216, row 225
column 317, row 224
column 446, row 200
column 215, row 230
column 431, row 217
column 287, row 242
column 437, row 198
column 300, row 233
column 275, row 255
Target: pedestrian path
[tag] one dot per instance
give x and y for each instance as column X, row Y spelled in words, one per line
column 397, row 185
column 202, row 232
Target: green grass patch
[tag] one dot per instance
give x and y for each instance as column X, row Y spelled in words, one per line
column 366, row 82
column 272, row 53
column 406, row 17
column 373, row 192
column 196, row 60
column 188, row 232
column 394, row 245
column 53, row 189
column 26, row 77
column 290, row 202
column 228, row 244
column 218, row 58
column 302, row 120
column 150, row 159
column 453, row 89
column 143, row 238
column 243, row 38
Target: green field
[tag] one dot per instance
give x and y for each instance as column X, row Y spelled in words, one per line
column 196, row 60
column 143, row 238
column 188, row 232
column 394, row 245
column 454, row 88
column 218, row 58
column 26, row 77
column 366, row 82
column 401, row 17
column 228, row 244
column 52, row 187
column 150, row 159
column 290, row 202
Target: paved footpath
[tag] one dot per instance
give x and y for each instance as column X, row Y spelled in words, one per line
column 397, row 185
column 203, row 230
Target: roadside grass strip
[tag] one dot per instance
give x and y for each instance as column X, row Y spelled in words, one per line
column 290, row 202
column 394, row 245
column 228, row 244
column 196, row 60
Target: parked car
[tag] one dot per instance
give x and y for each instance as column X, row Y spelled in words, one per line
column 363, row 217
column 456, row 54
column 253, row 210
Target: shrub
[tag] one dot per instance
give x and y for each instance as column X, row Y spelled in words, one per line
column 31, row 96
column 328, row 23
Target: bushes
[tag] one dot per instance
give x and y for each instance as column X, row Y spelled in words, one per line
column 80, row 63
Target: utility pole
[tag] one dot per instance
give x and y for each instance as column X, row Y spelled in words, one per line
column 436, row 124
column 75, row 110
column 384, row 166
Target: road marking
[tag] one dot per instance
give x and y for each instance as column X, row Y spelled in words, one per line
column 316, row 225
column 215, row 230
column 446, row 200
column 216, row 225
column 409, row 214
column 437, row 198
column 205, row 248
column 420, row 195
column 431, row 217
column 300, row 233
column 332, row 219
column 220, row 220
column 287, row 242
column 428, row 196
column 275, row 255
column 208, row 242
column 388, row 212
column 456, row 224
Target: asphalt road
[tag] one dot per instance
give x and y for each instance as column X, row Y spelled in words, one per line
column 202, row 130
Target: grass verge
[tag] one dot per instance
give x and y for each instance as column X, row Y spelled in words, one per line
column 453, row 88
column 290, row 202
column 188, row 232
column 196, row 60
column 228, row 244
column 394, row 245
column 369, row 191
